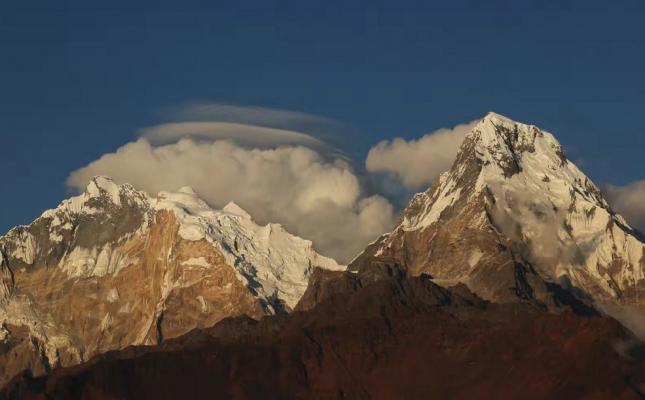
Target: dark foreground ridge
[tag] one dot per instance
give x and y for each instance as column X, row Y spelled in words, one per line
column 380, row 335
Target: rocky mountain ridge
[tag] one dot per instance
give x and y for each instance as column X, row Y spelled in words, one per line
column 114, row 267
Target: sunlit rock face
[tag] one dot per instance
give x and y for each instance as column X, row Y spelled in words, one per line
column 114, row 267
column 514, row 219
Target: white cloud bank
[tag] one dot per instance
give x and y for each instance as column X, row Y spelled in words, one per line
column 629, row 201
column 418, row 162
column 314, row 198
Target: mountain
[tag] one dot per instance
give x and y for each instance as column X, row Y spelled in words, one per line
column 114, row 267
column 377, row 337
column 515, row 220
column 494, row 284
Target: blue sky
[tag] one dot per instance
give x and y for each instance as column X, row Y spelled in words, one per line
column 79, row 79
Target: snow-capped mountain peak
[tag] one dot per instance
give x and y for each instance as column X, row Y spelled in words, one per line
column 114, row 266
column 100, row 195
column 513, row 198
column 503, row 142
column 280, row 260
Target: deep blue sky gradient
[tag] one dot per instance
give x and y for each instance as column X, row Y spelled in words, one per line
column 77, row 79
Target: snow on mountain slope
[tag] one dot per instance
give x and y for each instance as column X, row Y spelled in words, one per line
column 274, row 263
column 514, row 217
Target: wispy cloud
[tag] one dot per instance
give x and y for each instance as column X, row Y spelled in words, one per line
column 252, row 115
column 249, row 127
column 242, row 134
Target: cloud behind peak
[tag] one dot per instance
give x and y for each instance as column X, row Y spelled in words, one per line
column 418, row 162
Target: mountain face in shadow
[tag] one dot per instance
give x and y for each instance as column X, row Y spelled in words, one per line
column 380, row 335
